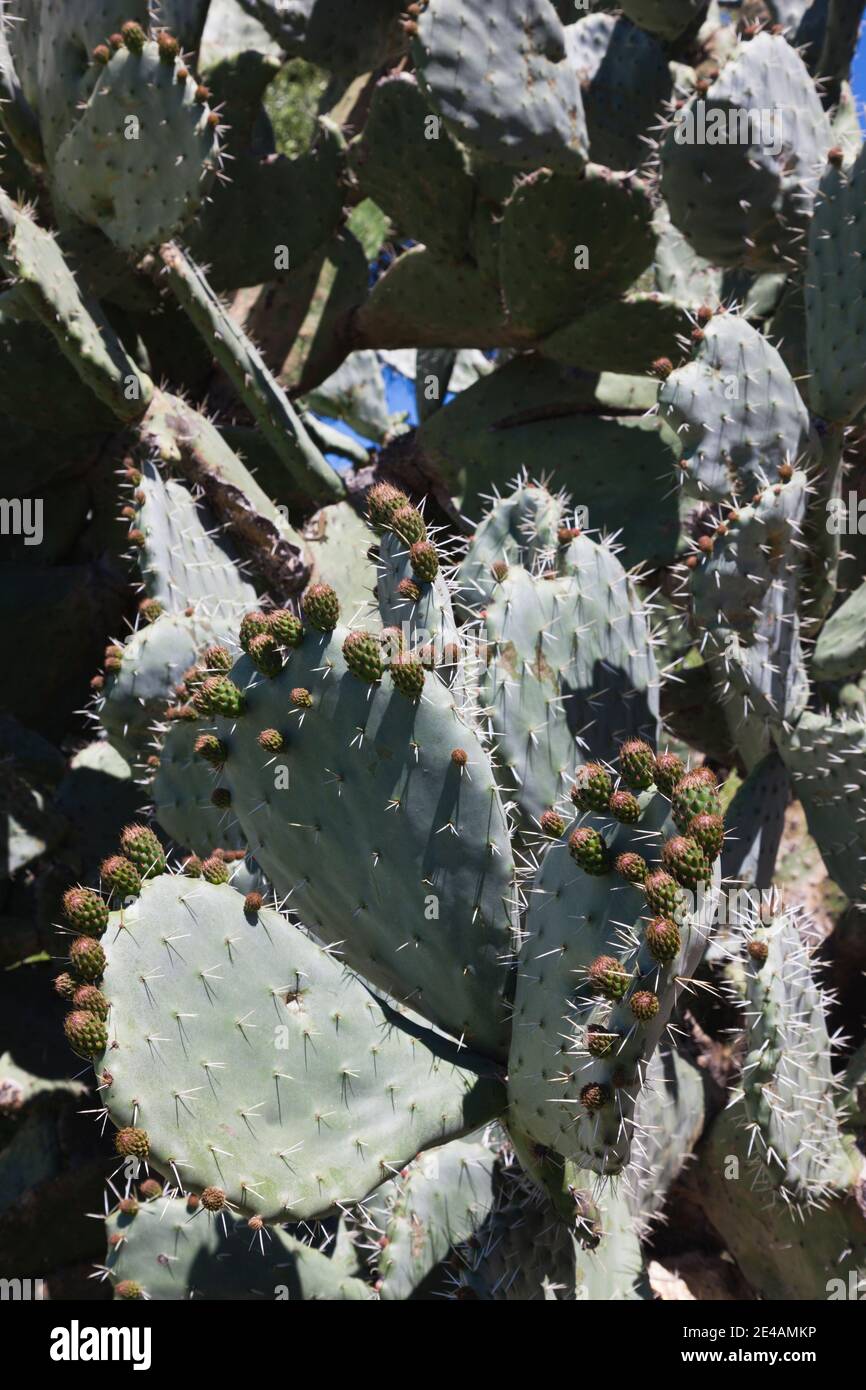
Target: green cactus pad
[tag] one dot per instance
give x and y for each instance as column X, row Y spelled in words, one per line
column 258, row 1065
column 424, row 857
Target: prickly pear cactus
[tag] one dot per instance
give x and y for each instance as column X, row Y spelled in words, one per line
column 456, row 794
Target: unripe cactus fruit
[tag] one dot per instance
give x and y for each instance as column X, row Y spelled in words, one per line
column 219, row 695
column 669, row 769
column 709, row 832
column 644, row 1005
column 588, row 849
column 552, row 824
column 599, row 1042
column 363, row 656
column 631, row 866
column 287, row 629
column 150, row 609
column 301, row 698
column 407, row 673
column 321, row 607
column 128, row 1289
column 409, row 590
column 92, row 999
column 192, row 867
column 637, row 762
column 271, row 740
column 120, row 876
column 383, row 500
column 212, row 749
column 592, row 788
column 624, row 807
column 608, row 976
column 217, row 659
column 85, row 1032
column 214, row 870
column 662, row 938
column 86, row 959
column 424, row 561
column 131, row 1142
column 140, row 845
column 594, row 1097
column 663, row 893
column 694, row 795
column 265, row 655
column 408, row 524
column 684, row 859
column 213, row 1199
column 65, row 985
column 85, row 910
column 253, row 625
column 133, row 36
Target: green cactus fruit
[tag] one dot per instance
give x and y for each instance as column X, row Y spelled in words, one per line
column 407, row 589
column 120, row 876
column 599, row 1042
column 644, row 1005
column 215, row 870
column 592, row 788
column 631, row 866
column 694, row 795
column 85, row 1032
column 684, row 859
column 150, row 609
column 192, row 867
column 253, row 625
column 134, row 37
column 92, row 1000
column 169, row 48
column 85, row 910
column 65, row 985
column 218, row 695
column 128, row 1289
column 383, row 500
column 212, row 749
column 86, row 959
column 637, row 762
column 595, row 1097
column 424, row 561
column 131, row 1142
column 321, row 607
column 140, row 845
column 271, row 740
column 217, row 658
column 663, row 893
column 285, row 627
column 408, row 676
column 363, row 657
column 669, row 770
column 408, row 524
column 662, row 937
column 709, row 832
column 587, row 848
column 624, row 807
column 552, row 824
column 265, row 654
column 609, row 977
